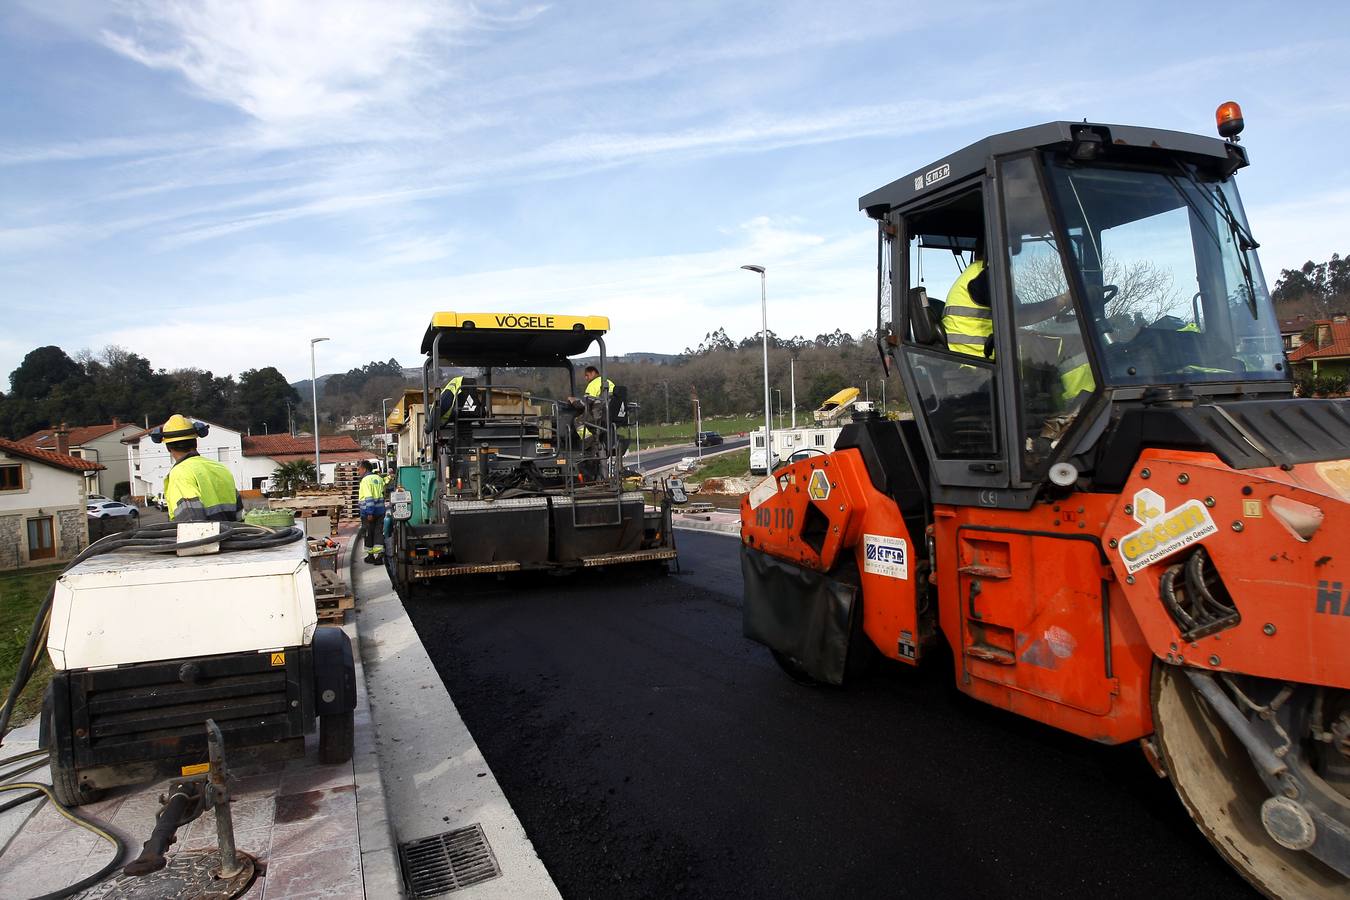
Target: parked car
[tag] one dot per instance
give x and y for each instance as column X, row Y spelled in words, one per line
column 708, row 439
column 107, row 509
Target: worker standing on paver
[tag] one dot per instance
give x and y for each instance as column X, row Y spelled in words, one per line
column 371, row 497
column 196, row 489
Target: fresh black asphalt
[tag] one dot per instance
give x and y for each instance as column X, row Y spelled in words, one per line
column 652, row 751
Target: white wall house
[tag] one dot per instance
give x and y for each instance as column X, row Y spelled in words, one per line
column 94, row 443
column 148, row 462
column 262, row 454
column 42, row 497
column 251, row 459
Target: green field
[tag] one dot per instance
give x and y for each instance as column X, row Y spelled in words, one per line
column 727, row 465
column 683, row 432
column 21, row 593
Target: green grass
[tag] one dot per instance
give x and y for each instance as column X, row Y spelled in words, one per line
column 21, row 593
column 727, row 465
column 683, row 432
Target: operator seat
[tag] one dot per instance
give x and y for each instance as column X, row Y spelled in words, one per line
column 925, row 319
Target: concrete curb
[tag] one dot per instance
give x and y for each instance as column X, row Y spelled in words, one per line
column 380, row 872
column 435, row 776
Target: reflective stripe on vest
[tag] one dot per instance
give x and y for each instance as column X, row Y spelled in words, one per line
column 966, row 322
column 199, row 490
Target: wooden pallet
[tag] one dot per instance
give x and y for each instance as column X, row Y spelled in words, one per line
column 334, row 609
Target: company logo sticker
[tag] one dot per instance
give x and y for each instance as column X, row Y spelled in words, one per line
column 818, row 488
column 1164, row 531
column 886, row 555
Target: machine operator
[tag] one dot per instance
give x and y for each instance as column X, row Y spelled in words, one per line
column 196, row 489
column 968, row 321
column 370, row 495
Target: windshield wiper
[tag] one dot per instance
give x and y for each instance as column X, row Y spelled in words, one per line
column 1239, row 232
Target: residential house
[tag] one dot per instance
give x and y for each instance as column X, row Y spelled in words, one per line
column 263, row 453
column 42, row 497
column 1328, row 352
column 1291, row 331
column 148, row 463
column 95, row 443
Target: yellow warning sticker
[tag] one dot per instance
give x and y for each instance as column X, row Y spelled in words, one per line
column 1251, row 509
column 279, row 659
column 818, row 488
column 198, row 769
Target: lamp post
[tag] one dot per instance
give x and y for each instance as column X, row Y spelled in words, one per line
column 792, row 379
column 779, row 392
column 314, row 399
column 764, row 332
column 698, row 427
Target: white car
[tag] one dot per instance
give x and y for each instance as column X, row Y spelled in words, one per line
column 107, row 509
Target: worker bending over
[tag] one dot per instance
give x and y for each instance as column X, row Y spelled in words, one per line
column 196, row 489
column 371, row 497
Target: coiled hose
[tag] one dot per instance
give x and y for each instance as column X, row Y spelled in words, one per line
column 162, row 539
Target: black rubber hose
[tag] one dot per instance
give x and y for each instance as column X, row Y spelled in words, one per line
column 119, row 846
column 1167, row 590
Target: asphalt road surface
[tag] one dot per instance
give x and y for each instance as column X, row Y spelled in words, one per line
column 667, row 456
column 652, row 751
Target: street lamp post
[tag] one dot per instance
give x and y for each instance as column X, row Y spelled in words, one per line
column 314, row 399
column 779, row 392
column 764, row 332
column 698, row 427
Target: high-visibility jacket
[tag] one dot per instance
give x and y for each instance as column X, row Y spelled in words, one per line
column 593, row 386
column 370, row 495
column 968, row 324
column 450, row 390
column 200, row 490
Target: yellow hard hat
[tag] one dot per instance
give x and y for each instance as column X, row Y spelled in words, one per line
column 178, row 428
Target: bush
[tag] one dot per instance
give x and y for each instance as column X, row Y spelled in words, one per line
column 1331, row 384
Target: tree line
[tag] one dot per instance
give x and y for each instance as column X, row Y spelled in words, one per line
column 50, row 387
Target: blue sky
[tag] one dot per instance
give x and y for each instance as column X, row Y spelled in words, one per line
column 211, row 183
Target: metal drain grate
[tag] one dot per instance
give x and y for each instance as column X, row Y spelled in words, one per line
column 446, row 862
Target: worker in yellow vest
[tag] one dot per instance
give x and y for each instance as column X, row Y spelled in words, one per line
column 969, row 323
column 370, row 496
column 196, row 489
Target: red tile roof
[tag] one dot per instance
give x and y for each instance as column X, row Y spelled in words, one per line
column 1338, row 346
column 285, row 445
column 79, row 435
column 325, row 458
column 48, row 457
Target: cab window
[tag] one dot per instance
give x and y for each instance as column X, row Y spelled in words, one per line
column 949, row 334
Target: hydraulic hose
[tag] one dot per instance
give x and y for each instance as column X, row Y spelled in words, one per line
column 119, row 848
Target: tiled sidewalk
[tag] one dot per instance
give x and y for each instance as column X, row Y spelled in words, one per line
column 296, row 816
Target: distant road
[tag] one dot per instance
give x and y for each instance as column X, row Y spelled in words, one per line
column 666, row 456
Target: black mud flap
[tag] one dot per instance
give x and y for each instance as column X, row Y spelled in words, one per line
column 798, row 612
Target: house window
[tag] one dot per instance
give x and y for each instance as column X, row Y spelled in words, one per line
column 41, row 543
column 11, row 478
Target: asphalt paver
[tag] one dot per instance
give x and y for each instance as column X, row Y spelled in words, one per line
column 650, row 750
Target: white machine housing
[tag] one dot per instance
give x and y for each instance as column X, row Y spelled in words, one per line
column 124, row 607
